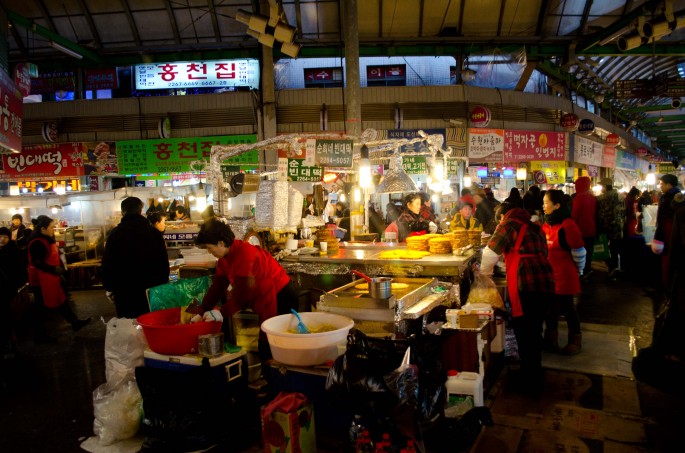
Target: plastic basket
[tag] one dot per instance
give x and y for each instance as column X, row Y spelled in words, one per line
column 165, row 334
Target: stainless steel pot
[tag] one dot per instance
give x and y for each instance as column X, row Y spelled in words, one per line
column 379, row 287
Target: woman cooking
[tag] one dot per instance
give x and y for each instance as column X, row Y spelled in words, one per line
column 410, row 222
column 257, row 280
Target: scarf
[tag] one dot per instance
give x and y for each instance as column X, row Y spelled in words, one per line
column 557, row 216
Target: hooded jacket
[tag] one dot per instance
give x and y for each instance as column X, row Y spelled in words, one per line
column 584, row 209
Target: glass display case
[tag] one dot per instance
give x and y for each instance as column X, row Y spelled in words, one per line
column 80, row 244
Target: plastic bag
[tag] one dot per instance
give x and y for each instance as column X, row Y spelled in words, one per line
column 484, row 290
column 124, row 347
column 179, row 293
column 404, row 381
column 118, row 410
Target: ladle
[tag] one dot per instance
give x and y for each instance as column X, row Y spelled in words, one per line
column 301, row 328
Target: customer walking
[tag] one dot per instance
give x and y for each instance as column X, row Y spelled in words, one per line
column 45, row 273
column 664, row 223
column 611, row 217
column 567, row 257
column 530, row 286
column 12, row 277
column 584, row 213
column 135, row 259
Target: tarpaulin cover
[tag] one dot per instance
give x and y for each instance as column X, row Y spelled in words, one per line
column 179, row 293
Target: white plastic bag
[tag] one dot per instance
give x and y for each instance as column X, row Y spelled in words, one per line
column 118, row 410
column 124, row 347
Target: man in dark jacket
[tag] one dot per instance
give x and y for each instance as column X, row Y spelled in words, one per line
column 664, row 222
column 135, row 259
column 584, row 212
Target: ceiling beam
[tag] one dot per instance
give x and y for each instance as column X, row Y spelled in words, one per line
column 32, row 26
column 91, row 24
column 502, row 5
column 131, row 22
column 421, row 6
column 583, row 19
column 298, row 18
column 541, row 17
column 172, row 22
column 215, row 22
column 46, row 15
column 525, row 77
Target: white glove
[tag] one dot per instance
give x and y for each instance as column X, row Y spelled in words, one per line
column 657, row 247
column 432, row 227
column 488, row 261
column 196, row 318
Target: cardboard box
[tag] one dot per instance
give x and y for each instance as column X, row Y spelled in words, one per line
column 289, row 432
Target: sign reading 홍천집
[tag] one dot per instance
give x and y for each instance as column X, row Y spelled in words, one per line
column 175, row 155
column 198, row 74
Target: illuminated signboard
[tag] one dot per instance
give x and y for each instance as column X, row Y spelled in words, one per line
column 198, row 74
column 49, row 185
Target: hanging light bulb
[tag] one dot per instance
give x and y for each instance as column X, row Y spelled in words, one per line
column 342, row 197
column 651, row 177
column 200, row 199
column 467, row 181
column 364, row 169
column 357, row 195
column 54, row 210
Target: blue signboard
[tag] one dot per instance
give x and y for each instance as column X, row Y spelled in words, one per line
column 625, row 160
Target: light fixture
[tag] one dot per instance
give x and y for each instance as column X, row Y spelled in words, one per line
column 676, row 103
column 651, row 177
column 599, row 98
column 357, row 195
column 396, row 180
column 364, row 168
column 267, row 40
column 342, row 197
column 467, row 181
column 290, row 49
column 329, row 178
column 66, row 50
column 521, row 174
column 200, row 199
column 439, row 167
column 468, row 75
column 661, row 26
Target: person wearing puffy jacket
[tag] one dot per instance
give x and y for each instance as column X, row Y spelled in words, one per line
column 584, row 213
column 567, row 257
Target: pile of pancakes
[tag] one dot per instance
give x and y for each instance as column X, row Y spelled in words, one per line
column 460, row 238
column 402, row 254
column 440, row 245
column 420, row 242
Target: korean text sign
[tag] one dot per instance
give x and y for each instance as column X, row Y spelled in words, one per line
column 586, row 151
column 554, row 171
column 198, row 74
column 11, row 107
column 331, row 153
column 609, row 157
column 485, row 145
column 173, row 155
column 525, row 146
column 54, row 160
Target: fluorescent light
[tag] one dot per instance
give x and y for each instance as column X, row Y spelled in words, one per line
column 66, row 50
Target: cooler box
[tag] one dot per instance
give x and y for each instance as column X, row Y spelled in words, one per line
column 228, row 367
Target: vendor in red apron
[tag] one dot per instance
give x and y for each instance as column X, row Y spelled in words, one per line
column 530, row 285
column 410, row 222
column 45, row 277
column 256, row 279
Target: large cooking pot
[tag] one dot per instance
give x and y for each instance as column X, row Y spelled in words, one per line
column 379, row 287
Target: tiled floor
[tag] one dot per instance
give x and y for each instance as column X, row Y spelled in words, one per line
column 591, row 403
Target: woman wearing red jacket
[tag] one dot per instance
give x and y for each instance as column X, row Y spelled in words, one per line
column 567, row 257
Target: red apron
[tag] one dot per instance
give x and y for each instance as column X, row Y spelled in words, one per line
column 512, row 261
column 50, row 284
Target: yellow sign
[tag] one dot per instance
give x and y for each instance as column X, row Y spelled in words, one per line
column 548, row 171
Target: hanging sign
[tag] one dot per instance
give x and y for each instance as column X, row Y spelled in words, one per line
column 290, row 169
column 44, row 162
column 49, row 185
column 22, row 78
column 331, row 153
column 625, row 160
column 485, row 145
column 175, row 155
column 100, row 158
column 480, row 116
column 10, row 114
column 50, row 131
column 586, row 151
column 50, row 82
column 100, row 79
column 641, row 151
column 415, row 165
column 570, row 122
column 198, row 74
column 549, row 172
column 409, row 134
column 592, row 171
column 524, row 146
column 609, row 157
column 586, row 126
column 613, row 140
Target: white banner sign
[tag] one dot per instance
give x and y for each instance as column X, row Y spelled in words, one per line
column 198, row 74
column 587, row 151
column 485, row 145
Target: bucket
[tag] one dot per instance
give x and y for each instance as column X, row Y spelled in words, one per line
column 464, row 392
column 380, row 287
column 210, row 345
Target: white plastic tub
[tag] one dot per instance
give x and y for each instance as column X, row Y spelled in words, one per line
column 306, row 349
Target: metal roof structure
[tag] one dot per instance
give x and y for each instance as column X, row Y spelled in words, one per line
column 585, row 45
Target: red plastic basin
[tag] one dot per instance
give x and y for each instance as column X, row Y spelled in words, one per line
column 166, row 335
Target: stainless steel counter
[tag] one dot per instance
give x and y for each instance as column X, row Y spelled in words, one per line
column 367, row 261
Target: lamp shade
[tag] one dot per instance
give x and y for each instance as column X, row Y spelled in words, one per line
column 396, row 180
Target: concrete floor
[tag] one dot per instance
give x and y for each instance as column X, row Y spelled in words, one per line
column 46, row 393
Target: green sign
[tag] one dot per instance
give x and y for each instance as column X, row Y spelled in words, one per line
column 332, row 153
column 452, row 167
column 415, row 165
column 665, row 167
column 175, row 155
column 297, row 171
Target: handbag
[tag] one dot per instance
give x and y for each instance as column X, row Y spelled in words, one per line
column 601, row 248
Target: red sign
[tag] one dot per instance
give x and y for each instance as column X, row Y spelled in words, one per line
column 609, row 157
column 375, row 72
column 101, row 79
column 641, row 151
column 570, row 122
column 480, row 116
column 525, row 146
column 59, row 160
column 11, row 105
column 22, row 78
column 613, row 140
